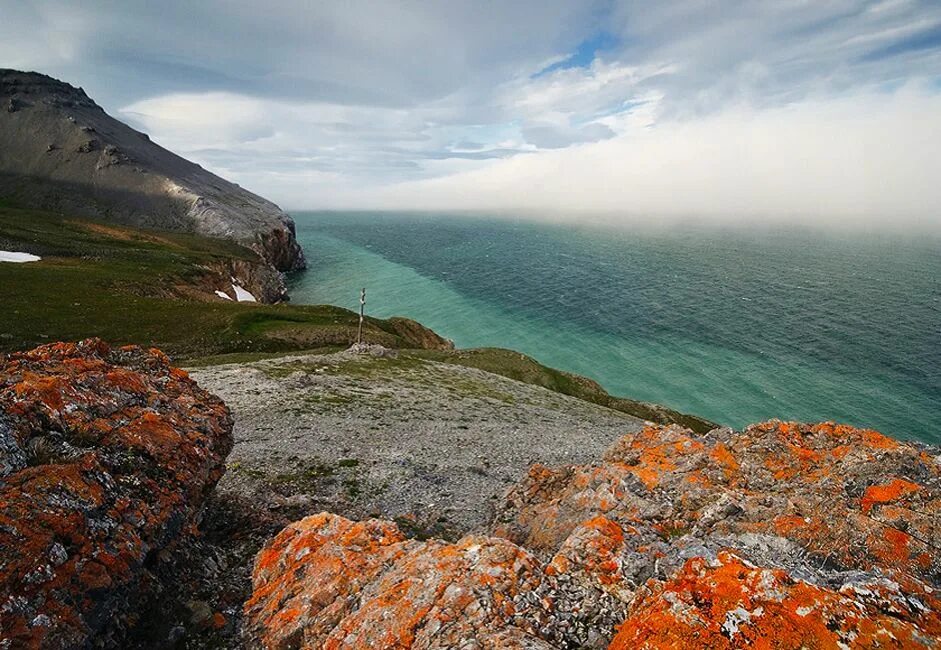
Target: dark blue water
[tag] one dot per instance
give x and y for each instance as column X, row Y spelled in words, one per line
column 733, row 325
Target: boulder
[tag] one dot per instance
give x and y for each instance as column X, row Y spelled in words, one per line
column 783, row 535
column 106, row 456
column 731, row 603
column 328, row 582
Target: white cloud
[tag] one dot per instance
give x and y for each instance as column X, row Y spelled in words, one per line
column 338, row 104
column 859, row 159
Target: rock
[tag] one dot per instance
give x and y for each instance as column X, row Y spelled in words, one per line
column 107, row 455
column 88, row 146
column 847, row 498
column 730, row 603
column 161, row 190
column 372, row 349
column 329, row 582
column 201, row 613
column 782, row 535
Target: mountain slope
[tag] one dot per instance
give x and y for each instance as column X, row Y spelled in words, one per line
column 60, row 151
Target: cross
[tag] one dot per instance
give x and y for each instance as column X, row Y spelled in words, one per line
column 362, row 308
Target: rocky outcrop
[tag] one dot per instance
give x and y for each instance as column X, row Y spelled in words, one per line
column 60, row 151
column 781, row 535
column 327, row 582
column 106, row 456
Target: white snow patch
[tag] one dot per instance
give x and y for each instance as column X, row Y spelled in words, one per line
column 242, row 295
column 223, row 294
column 18, row 258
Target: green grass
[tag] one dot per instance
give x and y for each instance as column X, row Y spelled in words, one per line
column 118, row 283
column 520, row 367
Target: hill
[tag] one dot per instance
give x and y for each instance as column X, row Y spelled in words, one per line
column 61, row 152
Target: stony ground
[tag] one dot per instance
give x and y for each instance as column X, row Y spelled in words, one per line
column 429, row 445
column 395, row 436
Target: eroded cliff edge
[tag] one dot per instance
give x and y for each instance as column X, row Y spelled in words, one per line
column 60, row 151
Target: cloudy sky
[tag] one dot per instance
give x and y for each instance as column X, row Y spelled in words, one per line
column 804, row 109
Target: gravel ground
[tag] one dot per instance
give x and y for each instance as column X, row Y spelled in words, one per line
column 427, row 444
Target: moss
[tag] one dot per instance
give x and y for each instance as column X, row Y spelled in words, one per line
column 348, row 462
column 306, row 477
column 426, row 528
column 353, row 487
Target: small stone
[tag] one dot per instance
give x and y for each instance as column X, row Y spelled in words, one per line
column 200, row 612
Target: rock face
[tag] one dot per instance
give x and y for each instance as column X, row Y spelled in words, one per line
column 60, row 151
column 105, row 459
column 778, row 536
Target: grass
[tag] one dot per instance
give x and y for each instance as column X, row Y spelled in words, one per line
column 116, row 282
column 520, row 367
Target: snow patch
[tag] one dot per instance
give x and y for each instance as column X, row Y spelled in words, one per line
column 223, row 294
column 18, row 258
column 242, row 295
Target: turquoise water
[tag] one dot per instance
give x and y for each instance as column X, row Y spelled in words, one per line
column 736, row 326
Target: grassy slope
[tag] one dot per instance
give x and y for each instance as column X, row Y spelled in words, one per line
column 525, row 369
column 102, row 280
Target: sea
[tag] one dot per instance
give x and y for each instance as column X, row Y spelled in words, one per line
column 737, row 325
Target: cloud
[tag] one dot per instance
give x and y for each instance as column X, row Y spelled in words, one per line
column 550, row 136
column 866, row 159
column 338, row 103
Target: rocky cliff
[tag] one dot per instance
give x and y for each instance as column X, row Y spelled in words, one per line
column 779, row 536
column 60, row 151
column 106, row 456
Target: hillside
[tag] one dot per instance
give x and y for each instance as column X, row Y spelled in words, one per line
column 60, row 151
column 131, row 285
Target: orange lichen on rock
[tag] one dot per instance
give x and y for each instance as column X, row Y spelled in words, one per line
column 732, row 604
column 783, row 535
column 327, row 582
column 105, row 458
column 652, row 452
column 893, row 491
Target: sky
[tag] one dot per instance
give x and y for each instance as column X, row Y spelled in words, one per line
column 821, row 111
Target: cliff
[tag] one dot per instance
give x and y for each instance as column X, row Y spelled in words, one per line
column 779, row 536
column 60, row 151
column 106, row 457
